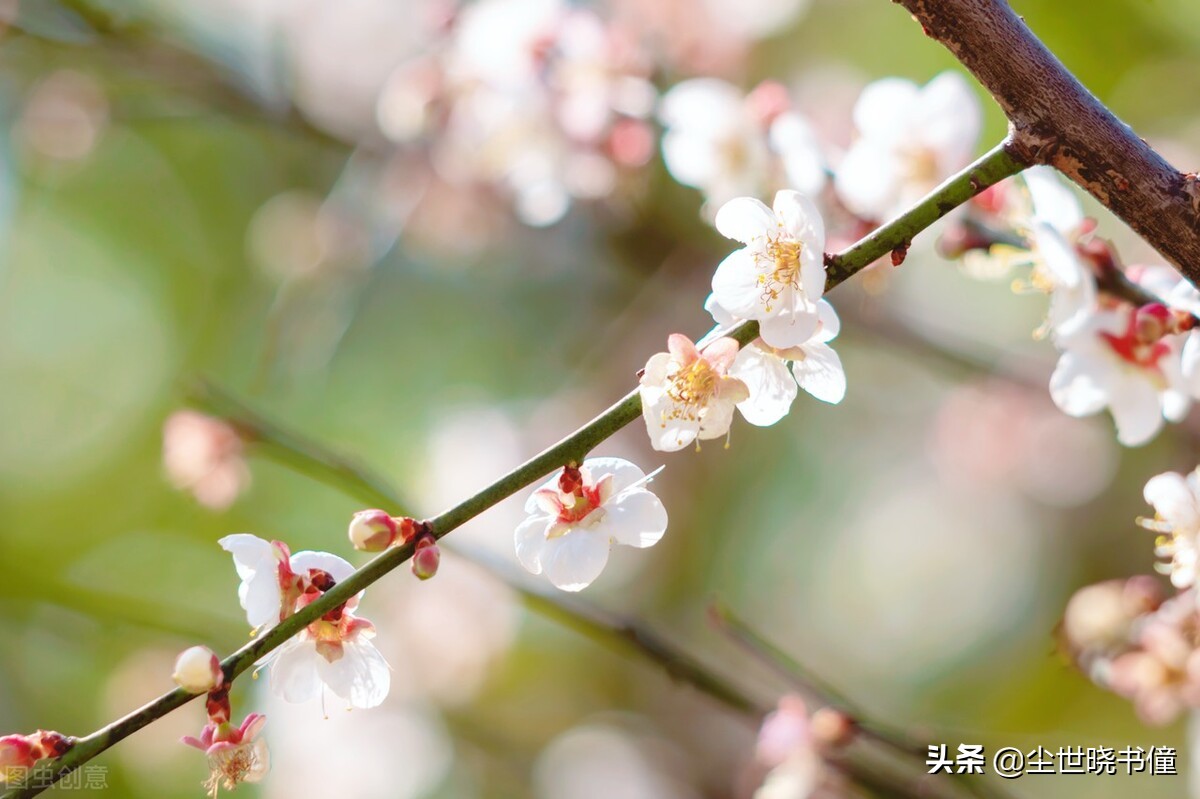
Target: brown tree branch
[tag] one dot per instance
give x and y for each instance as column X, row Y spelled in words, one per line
column 1056, row 121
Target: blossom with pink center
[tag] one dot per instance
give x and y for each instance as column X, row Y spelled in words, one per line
column 779, row 276
column 334, row 651
column 578, row 515
column 235, row 754
column 910, row 138
column 1124, row 359
column 688, row 394
column 203, row 455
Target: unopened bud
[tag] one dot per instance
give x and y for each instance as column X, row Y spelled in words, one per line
column 571, row 480
column 426, row 558
column 1150, row 322
column 373, row 530
column 16, row 755
column 198, row 671
column 831, row 729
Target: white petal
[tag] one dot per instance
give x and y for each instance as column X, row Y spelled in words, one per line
column 1190, row 364
column 1053, row 201
column 361, row 675
column 636, row 518
column 294, row 671
column 1136, row 409
column 820, row 373
column 338, row 568
column 624, row 473
column 800, row 219
column 530, row 539
column 721, row 316
column 868, row 180
column 667, row 433
column 881, row 104
column 718, row 416
column 250, row 553
column 831, row 325
column 735, row 285
column 947, row 118
column 788, row 327
column 745, row 219
column 256, row 564
column 772, row 387
column 1174, row 499
column 803, row 162
column 1077, row 385
column 690, row 159
column 574, row 560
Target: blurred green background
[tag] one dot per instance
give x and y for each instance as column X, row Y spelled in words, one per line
column 914, row 545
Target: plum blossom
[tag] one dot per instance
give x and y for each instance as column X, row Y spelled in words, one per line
column 1122, row 358
column 710, row 141
column 772, row 374
column 335, row 650
column 791, row 744
column 688, row 395
column 727, row 144
column 235, row 754
column 576, row 517
column 1176, row 501
column 203, row 455
column 1160, row 673
column 779, row 276
column 910, row 138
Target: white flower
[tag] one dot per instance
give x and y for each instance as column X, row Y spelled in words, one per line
column 1107, row 362
column 576, row 517
column 203, row 455
column 337, row 654
column 711, row 141
column 688, row 395
column 235, row 754
column 777, row 278
column 335, row 650
column 772, row 382
column 1059, row 268
column 910, row 139
column 1176, row 501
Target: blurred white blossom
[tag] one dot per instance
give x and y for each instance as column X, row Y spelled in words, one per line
column 910, row 138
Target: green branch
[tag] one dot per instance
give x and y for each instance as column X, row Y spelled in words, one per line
column 896, row 235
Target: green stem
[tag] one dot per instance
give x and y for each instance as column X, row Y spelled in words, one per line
column 897, row 234
column 992, row 167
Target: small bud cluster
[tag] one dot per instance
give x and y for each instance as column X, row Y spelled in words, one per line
column 376, row 530
column 20, row 753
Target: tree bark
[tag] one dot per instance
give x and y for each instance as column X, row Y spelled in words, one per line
column 1056, row 121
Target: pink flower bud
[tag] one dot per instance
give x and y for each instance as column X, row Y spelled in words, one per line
column 16, row 755
column 373, row 530
column 1151, row 322
column 198, row 671
column 426, row 559
column 832, row 729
